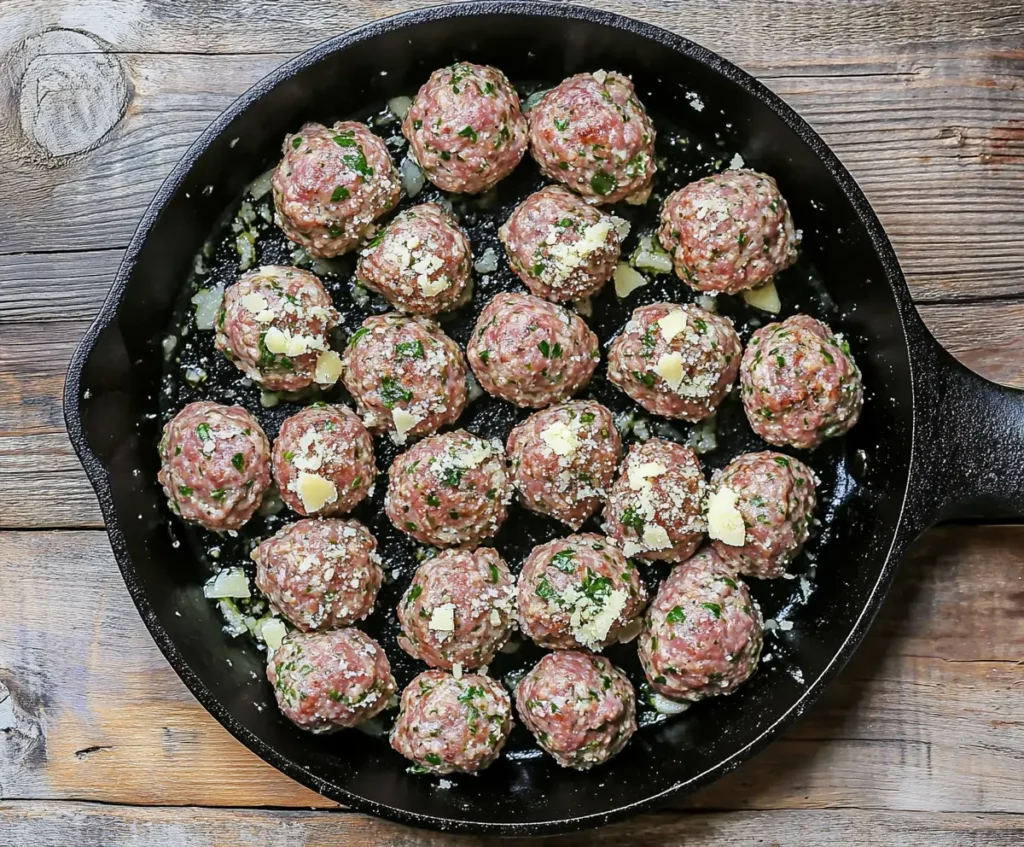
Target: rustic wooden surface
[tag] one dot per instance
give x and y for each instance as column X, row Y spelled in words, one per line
column 921, row 739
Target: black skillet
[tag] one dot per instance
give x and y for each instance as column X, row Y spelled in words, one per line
column 935, row 441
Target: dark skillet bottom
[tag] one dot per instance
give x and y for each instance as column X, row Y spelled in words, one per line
column 841, row 279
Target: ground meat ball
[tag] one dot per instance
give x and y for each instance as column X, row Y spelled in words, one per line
column 775, row 495
column 465, row 128
column 405, row 374
column 531, row 352
column 326, row 681
column 591, row 133
column 560, row 246
column 320, row 574
column 578, row 591
column 448, row 724
column 563, row 460
column 331, row 185
column 419, row 263
column 323, row 461
column 800, row 384
column 214, row 465
column 580, row 707
column 702, row 634
column 676, row 361
column 450, row 490
column 459, row 608
column 656, row 506
column 728, row 231
column 273, row 325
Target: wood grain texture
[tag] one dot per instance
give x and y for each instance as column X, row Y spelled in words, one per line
column 927, row 716
column 924, row 108
column 87, row 825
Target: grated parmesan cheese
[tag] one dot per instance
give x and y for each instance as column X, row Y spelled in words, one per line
column 725, row 523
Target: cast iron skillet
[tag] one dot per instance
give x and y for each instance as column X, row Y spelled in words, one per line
column 935, row 440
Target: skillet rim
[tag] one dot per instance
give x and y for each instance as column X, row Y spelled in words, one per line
column 109, row 311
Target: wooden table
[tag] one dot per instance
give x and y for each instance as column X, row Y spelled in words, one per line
column 921, row 739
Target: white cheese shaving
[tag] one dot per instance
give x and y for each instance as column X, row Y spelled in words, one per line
column 328, row 368
column 627, row 280
column 765, row 298
column 670, row 369
column 457, row 670
column 442, row 619
column 404, row 421
column 725, row 523
column 315, row 491
column 672, row 324
column 656, row 538
column 433, row 287
column 561, row 439
column 254, row 302
column 639, row 475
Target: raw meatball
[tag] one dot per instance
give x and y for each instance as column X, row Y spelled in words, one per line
column 273, row 325
column 214, row 465
column 702, row 634
column 800, row 384
column 460, row 608
column 406, row 375
column 465, row 128
column 450, row 490
column 591, row 133
column 578, row 591
column 325, row 681
column 676, row 361
column 563, row 460
column 775, row 497
column 531, row 352
column 448, row 724
column 419, row 263
column 656, row 506
column 560, row 246
column 580, row 707
column 728, row 231
column 331, row 185
column 320, row 573
column 323, row 460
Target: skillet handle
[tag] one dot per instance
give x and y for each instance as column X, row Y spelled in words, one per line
column 969, row 440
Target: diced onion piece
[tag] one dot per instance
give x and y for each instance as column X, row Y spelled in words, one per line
column 400, row 106
column 268, row 399
column 664, row 706
column 534, row 99
column 260, row 186
column 621, row 226
column 708, row 302
column 725, row 523
column 765, row 298
column 272, row 631
column 360, row 296
column 272, row 503
column 473, row 390
column 412, row 177
column 630, row 631
column 487, row 263
column 168, row 345
column 640, row 429
column 703, row 438
column 245, row 245
column 650, row 256
column 194, row 376
column 627, row 280
column 513, row 644
column 327, row 267
column 328, row 368
column 234, row 621
column 230, row 582
column 374, row 727
column 207, row 302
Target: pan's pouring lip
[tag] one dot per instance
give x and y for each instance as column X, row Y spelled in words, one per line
column 73, row 396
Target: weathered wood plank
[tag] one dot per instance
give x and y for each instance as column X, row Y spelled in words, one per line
column 89, row 825
column 927, row 716
column 929, row 124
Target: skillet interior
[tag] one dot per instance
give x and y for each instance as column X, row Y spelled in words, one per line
column 122, row 414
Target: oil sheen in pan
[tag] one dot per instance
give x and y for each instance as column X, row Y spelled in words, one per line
column 682, row 157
